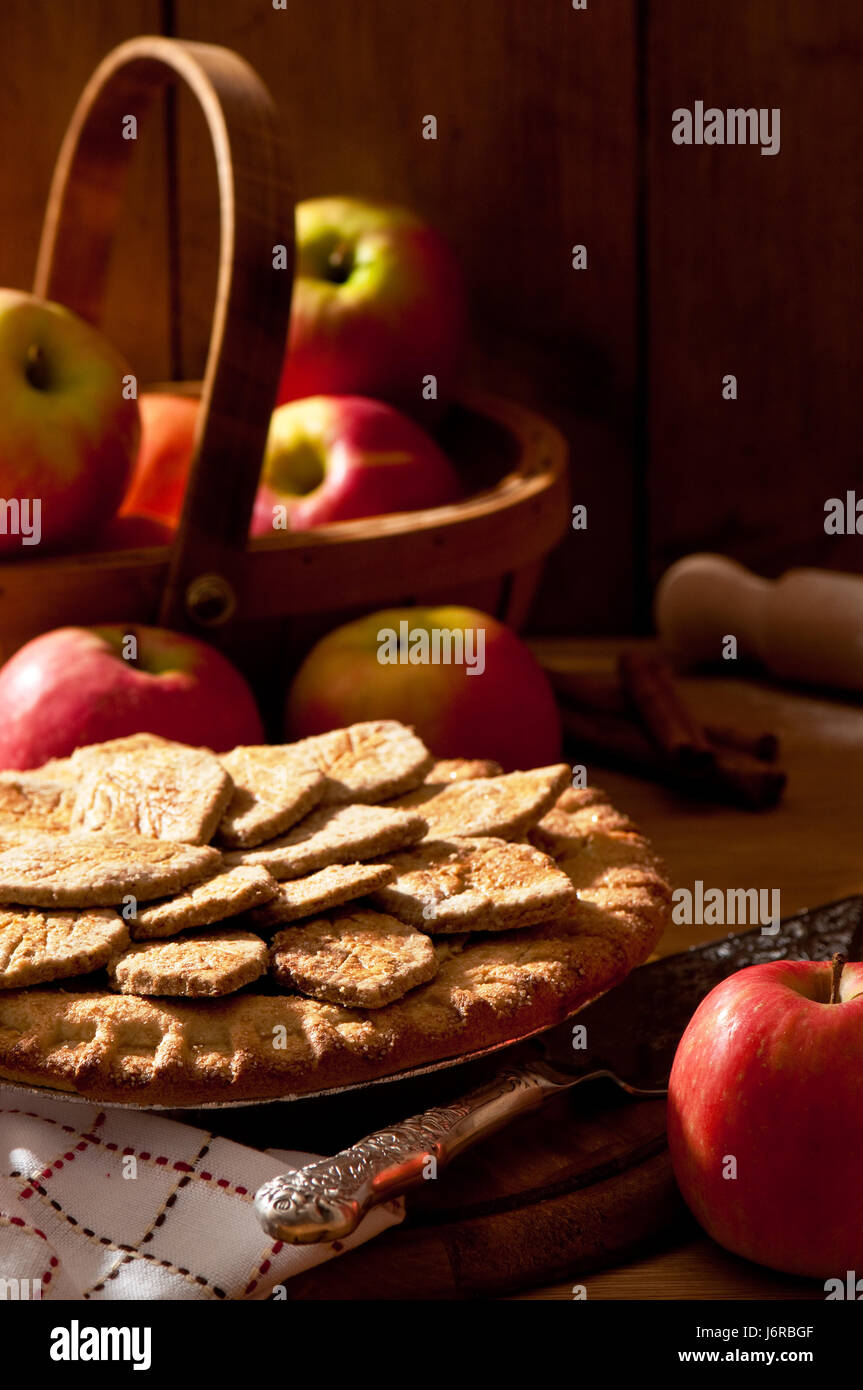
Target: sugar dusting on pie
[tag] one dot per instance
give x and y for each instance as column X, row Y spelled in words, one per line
column 506, row 806
column 166, row 791
column 225, row 893
column 358, row 957
column 273, row 788
column 315, row 892
column 219, row 962
column 334, row 835
column 329, row 939
column 481, row 884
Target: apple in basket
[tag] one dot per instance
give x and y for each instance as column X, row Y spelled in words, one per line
column 378, row 306
column 161, row 470
column 331, row 458
column 463, row 680
column 76, row 685
column 68, row 433
column 765, row 1124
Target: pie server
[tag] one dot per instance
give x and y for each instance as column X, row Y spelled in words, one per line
column 629, row 1035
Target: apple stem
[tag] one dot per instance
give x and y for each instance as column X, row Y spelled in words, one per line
column 339, row 263
column 37, row 370
column 838, row 964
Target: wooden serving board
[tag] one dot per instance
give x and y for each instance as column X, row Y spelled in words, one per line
column 580, row 1185
column 586, row 1184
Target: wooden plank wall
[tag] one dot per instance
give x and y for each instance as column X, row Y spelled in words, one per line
column 535, row 106
column 755, row 270
column 49, row 51
column 753, row 262
column 535, row 151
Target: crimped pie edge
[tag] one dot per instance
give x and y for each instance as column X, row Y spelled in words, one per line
column 497, row 988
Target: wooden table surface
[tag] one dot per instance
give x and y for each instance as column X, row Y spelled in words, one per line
column 810, row 847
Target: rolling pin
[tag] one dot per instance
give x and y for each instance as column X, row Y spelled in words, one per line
column 805, row 626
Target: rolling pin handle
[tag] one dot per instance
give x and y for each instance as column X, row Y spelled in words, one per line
column 704, row 598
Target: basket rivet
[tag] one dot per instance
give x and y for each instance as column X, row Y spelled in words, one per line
column 210, row 600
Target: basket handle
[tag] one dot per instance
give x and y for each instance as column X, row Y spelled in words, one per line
column 250, row 316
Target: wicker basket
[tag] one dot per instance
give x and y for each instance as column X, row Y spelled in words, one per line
column 486, row 550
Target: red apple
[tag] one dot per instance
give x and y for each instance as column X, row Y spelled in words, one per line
column 74, row 686
column 502, row 709
column 161, row 471
column 330, row 458
column 766, row 1083
column 378, row 305
column 68, row 435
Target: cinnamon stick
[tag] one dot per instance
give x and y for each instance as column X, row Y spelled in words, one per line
column 616, row 741
column 649, row 685
column 746, row 782
column 602, row 691
column 764, row 747
column 597, row 690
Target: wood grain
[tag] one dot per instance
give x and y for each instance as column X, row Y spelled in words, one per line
column 584, row 1182
column 49, row 52
column 536, row 118
column 291, row 589
column 808, row 847
column 752, row 261
column 79, row 590
column 252, row 301
column 511, row 1207
column 755, row 270
column 699, row 1271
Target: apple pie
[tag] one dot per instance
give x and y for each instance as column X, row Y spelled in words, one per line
column 401, row 912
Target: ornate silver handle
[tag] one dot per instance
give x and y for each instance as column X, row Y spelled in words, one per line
column 328, row 1199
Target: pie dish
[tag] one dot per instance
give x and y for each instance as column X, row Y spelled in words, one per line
column 427, row 995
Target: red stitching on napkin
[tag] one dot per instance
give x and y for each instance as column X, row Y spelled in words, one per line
column 31, row 1115
column 161, row 1160
column 127, row 1250
column 159, row 1221
column 262, row 1269
column 53, row 1262
column 19, row 1221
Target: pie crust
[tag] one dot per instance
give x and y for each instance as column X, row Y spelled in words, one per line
column 493, row 987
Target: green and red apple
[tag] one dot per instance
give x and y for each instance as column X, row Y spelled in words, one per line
column 765, row 1122
column 68, row 433
column 332, row 458
column 499, row 706
column 161, row 471
column 378, row 306
column 75, row 686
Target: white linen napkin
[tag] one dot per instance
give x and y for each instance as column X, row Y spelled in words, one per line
column 107, row 1203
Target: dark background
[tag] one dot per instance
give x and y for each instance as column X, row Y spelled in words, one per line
column 554, row 128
